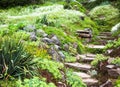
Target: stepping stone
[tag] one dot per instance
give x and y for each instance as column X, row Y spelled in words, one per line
column 83, row 67
column 82, row 75
column 96, row 46
column 90, row 81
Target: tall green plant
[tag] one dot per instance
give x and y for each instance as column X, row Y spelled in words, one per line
column 14, row 59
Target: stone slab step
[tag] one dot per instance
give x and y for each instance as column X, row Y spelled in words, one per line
column 106, row 37
column 90, row 55
column 86, row 78
column 82, row 31
column 105, row 33
column 82, row 75
column 86, row 58
column 96, row 46
column 102, row 34
column 90, row 81
column 80, row 66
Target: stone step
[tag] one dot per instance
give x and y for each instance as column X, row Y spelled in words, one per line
column 86, row 78
column 96, row 46
column 90, row 55
column 90, row 82
column 86, row 58
column 102, row 34
column 106, row 37
column 82, row 75
column 79, row 66
column 82, row 31
column 105, row 33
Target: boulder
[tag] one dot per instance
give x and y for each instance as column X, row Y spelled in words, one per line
column 46, row 40
column 61, row 54
column 33, row 37
column 55, row 40
column 41, row 33
column 66, row 47
column 30, row 28
column 57, row 47
column 56, row 54
column 116, row 28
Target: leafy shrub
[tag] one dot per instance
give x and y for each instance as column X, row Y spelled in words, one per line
column 74, row 5
column 51, row 66
column 36, row 50
column 73, row 80
column 112, row 45
column 45, row 21
column 15, row 60
column 98, row 59
column 12, row 28
column 116, row 61
column 22, row 35
column 33, row 82
column 117, row 84
column 7, row 83
column 4, row 32
column 69, row 58
column 105, row 16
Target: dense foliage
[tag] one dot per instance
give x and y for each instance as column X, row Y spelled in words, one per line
column 99, row 58
column 74, row 81
column 33, row 82
column 112, row 45
column 51, row 66
column 15, row 60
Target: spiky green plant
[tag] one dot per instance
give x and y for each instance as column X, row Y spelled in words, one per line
column 14, row 59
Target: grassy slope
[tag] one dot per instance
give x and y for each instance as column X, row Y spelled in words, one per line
column 65, row 22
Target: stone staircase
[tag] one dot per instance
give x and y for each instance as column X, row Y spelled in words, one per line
column 83, row 67
column 105, row 37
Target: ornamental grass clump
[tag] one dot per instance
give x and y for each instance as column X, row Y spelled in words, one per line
column 14, row 59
